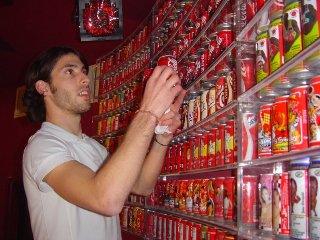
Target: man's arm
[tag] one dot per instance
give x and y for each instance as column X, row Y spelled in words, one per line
column 153, row 164
column 106, row 190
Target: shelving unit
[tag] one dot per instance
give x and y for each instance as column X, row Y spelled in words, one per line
column 242, row 103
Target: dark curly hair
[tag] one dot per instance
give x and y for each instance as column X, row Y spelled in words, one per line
column 40, row 69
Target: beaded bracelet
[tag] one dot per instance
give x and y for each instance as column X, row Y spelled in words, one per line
column 164, row 145
column 149, row 112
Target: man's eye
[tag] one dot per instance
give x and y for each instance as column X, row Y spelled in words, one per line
column 69, row 71
column 85, row 71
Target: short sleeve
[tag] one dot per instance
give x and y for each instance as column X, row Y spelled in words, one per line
column 42, row 156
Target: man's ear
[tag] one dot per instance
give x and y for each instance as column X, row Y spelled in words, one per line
column 42, row 87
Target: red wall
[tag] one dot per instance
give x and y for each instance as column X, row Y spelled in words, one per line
column 39, row 29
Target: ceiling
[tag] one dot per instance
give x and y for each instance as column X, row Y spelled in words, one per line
column 28, row 27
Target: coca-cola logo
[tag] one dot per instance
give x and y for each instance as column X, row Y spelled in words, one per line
column 299, row 174
column 252, row 120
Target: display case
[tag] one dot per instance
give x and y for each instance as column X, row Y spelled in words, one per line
column 249, row 119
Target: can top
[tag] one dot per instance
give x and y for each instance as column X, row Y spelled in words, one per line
column 224, row 26
column 302, row 162
column 262, row 29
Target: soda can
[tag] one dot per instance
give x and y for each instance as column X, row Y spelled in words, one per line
column 265, row 197
column 299, row 199
column 212, row 233
column 196, row 196
column 169, row 228
column 212, row 100
column 218, row 200
column 276, row 46
column 225, row 35
column 220, row 92
column 196, row 227
column 279, row 123
column 310, row 21
column 183, row 162
column 247, row 75
column 249, row 200
column 168, row 60
column 204, row 149
column 189, row 196
column 191, row 108
column 292, row 34
column 229, row 201
column 203, row 197
column 203, row 232
column 197, row 108
column 204, row 103
column 314, row 198
column 313, row 109
column 196, row 148
column 221, row 234
column 262, row 54
column 230, row 142
column 220, row 145
column 159, row 226
column 264, row 131
column 298, row 118
column 280, row 205
column 210, row 191
column 188, row 230
column 230, row 87
column 249, row 135
column 183, row 195
column 212, row 147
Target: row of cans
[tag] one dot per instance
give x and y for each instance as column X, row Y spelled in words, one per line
column 212, row 96
column 291, row 29
column 290, row 123
column 285, row 204
column 212, row 198
column 133, row 218
column 164, row 226
column 210, row 148
column 115, row 122
column 123, row 74
column 120, row 98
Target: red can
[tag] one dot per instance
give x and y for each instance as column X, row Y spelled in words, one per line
column 230, row 142
column 220, row 145
column 229, row 201
column 280, row 204
column 168, row 60
column 196, row 196
column 220, row 92
column 298, row 118
column 314, row 116
column 183, row 195
column 249, row 135
column 264, row 131
column 218, row 199
column 195, row 231
column 196, row 148
column 211, row 197
column 249, row 200
column 189, row 154
column 213, row 48
column 265, row 196
column 279, row 123
column 247, row 76
column 204, row 149
column 225, row 35
column 212, row 100
column 212, row 233
column 203, row 197
column 212, row 148
column 188, row 231
column 189, row 194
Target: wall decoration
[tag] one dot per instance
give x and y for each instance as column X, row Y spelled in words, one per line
column 100, row 20
column 19, row 110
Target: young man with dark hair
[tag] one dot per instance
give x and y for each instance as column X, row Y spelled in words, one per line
column 75, row 189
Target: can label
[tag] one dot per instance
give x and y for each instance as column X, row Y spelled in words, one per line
column 265, row 196
column 210, row 204
column 310, row 21
column 218, row 200
column 212, row 148
column 191, row 113
column 249, row 200
column 230, row 147
column 203, row 197
column 204, row 150
column 212, row 100
column 197, row 109
column 298, row 118
column 292, row 30
column 204, row 104
column 196, row 152
column 247, row 77
column 264, row 131
column 249, row 136
column 314, row 181
column 280, row 204
column 262, row 56
column 229, row 199
column 220, row 93
column 183, row 195
column 276, row 50
column 279, row 123
column 313, row 112
column 189, row 196
column 220, row 145
column 299, row 204
column 196, row 196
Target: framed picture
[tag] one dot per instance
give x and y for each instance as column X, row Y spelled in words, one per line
column 100, row 20
column 20, row 109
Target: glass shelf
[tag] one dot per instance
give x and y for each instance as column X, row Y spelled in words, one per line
column 111, row 134
column 219, row 116
column 250, row 95
column 256, row 234
column 231, row 227
column 195, row 41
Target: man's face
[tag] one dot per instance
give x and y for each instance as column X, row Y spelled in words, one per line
column 70, row 85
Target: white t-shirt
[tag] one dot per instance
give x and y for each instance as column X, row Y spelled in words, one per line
column 52, row 217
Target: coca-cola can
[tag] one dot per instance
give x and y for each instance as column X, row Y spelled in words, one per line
column 220, row 145
column 249, row 135
column 249, row 200
column 229, row 201
column 218, row 201
column 230, row 144
column 314, row 117
column 247, row 76
column 264, row 131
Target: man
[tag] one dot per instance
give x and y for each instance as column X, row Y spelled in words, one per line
column 72, row 192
